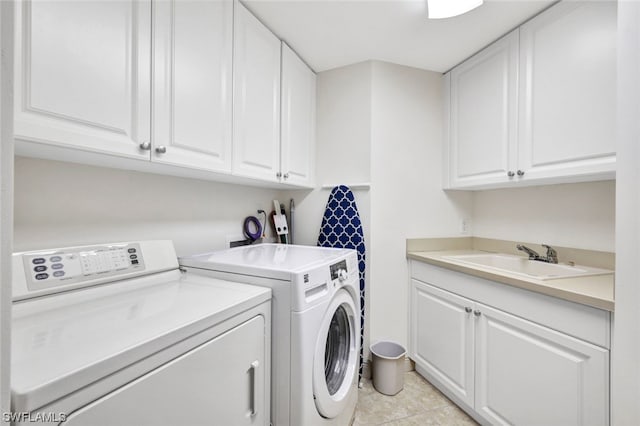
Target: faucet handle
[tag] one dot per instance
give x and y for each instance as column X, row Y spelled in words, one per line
column 552, row 254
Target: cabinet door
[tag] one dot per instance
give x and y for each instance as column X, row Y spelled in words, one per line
column 256, row 106
column 297, row 155
column 442, row 338
column 568, row 91
column 527, row 374
column 221, row 382
column 82, row 75
column 483, row 116
column 193, row 83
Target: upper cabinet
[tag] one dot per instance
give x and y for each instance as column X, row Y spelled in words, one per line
column 192, row 85
column 82, row 75
column 297, row 152
column 186, row 87
column 256, row 108
column 483, row 132
column 568, row 85
column 274, row 107
column 541, row 110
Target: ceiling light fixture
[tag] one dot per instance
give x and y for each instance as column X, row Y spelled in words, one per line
column 439, row 9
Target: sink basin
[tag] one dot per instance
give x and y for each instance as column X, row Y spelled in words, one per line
column 523, row 266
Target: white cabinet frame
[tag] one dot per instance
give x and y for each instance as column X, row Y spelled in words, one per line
column 507, row 355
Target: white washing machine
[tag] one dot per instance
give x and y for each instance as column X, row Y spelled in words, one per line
column 315, row 325
column 116, row 334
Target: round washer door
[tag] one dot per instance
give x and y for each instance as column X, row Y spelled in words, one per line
column 336, row 356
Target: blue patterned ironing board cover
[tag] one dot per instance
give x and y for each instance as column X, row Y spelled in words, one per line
column 341, row 227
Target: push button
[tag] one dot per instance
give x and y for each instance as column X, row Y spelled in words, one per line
column 55, row 258
column 134, row 262
column 57, row 266
column 133, row 257
column 58, row 273
column 40, row 268
column 38, row 261
column 42, row 276
column 131, row 250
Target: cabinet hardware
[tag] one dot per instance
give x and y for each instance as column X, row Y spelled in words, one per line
column 145, row 146
column 520, row 172
column 510, row 173
column 278, row 175
column 477, row 313
column 286, row 176
column 467, row 309
column 161, row 149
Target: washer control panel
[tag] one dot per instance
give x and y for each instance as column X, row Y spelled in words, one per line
column 339, row 271
column 49, row 269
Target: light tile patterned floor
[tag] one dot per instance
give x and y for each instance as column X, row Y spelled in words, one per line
column 418, row 403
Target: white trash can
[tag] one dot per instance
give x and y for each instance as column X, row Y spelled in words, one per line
column 388, row 367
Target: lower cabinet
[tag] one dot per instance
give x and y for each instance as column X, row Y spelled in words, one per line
column 504, row 369
column 442, row 334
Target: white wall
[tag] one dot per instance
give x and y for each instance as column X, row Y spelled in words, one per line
column 580, row 215
column 58, row 204
column 6, row 194
column 343, row 151
column 625, row 367
column 407, row 200
column 382, row 123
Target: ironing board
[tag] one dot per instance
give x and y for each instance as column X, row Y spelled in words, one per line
column 341, row 227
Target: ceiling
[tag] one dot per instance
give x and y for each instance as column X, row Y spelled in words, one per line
column 333, row 33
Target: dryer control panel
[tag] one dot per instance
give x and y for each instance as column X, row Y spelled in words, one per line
column 54, row 271
column 49, row 269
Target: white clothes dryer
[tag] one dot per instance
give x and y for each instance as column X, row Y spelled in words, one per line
column 117, row 334
column 315, row 325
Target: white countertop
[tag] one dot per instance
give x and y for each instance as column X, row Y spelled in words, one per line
column 596, row 291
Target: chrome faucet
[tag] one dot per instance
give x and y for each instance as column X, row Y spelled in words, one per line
column 533, row 255
column 551, row 257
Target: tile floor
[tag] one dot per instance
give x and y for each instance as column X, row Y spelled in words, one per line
column 418, row 403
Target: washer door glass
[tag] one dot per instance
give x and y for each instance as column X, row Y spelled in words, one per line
column 336, row 352
column 335, row 363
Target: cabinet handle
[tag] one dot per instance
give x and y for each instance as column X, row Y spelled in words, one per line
column 161, row 149
column 278, row 175
column 286, row 176
column 145, row 146
column 477, row 313
column 253, row 397
column 520, row 172
column 467, row 309
column 510, row 173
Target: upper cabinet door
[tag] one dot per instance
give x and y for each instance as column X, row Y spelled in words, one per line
column 192, row 122
column 82, row 74
column 256, row 88
column 568, row 86
column 483, row 115
column 298, row 119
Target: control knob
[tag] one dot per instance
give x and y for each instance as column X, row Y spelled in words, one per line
column 342, row 275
